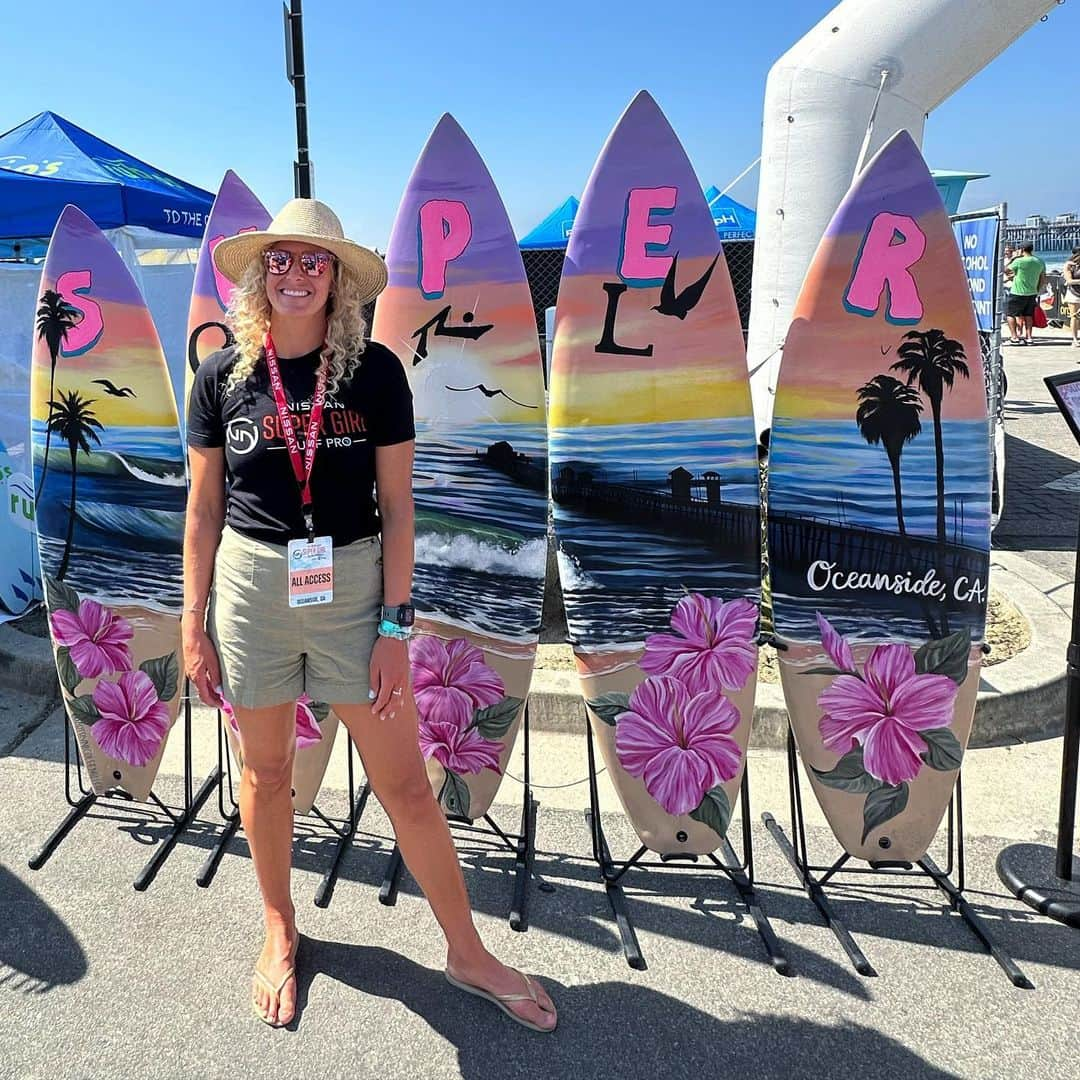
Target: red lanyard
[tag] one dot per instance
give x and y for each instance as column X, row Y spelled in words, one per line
column 301, row 466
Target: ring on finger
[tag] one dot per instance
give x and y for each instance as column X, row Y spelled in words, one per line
column 396, row 691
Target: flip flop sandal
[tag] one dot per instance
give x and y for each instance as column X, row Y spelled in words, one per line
column 503, row 1001
column 290, row 973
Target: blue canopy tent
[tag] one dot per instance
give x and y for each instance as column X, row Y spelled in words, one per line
column 733, row 221
column 554, row 230
column 48, row 162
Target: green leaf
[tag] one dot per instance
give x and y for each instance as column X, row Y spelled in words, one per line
column 320, row 710
column 65, row 668
column 609, row 706
column 848, row 774
column 945, row 656
column 714, row 811
column 824, row 671
column 883, row 804
column 455, row 795
column 60, row 595
column 495, row 721
column 944, row 751
column 83, row 710
column 164, row 672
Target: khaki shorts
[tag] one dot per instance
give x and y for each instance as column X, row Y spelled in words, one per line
column 271, row 653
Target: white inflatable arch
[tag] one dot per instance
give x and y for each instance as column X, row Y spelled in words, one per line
column 877, row 64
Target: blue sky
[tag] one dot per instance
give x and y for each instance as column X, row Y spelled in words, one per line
column 199, row 87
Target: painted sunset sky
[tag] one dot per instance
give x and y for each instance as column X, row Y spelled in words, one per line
column 697, row 369
column 486, row 281
column 830, row 351
column 128, row 333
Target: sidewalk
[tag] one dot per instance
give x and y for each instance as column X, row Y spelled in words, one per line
column 99, row 981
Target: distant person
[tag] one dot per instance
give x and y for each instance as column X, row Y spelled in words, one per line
column 1028, row 279
column 1072, row 294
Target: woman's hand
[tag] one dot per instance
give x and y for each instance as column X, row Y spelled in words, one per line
column 201, row 663
column 389, row 676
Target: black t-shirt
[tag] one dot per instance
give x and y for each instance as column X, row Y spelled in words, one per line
column 374, row 408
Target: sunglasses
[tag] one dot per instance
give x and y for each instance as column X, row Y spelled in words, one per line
column 313, row 263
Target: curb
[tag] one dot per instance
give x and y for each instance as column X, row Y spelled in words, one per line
column 26, row 663
column 1020, row 700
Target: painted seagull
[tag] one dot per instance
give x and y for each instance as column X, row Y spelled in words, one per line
column 116, row 391
column 489, row 393
column 680, row 304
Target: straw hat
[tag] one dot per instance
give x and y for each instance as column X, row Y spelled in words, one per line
column 307, row 221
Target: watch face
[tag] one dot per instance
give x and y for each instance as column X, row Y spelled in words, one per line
column 402, row 615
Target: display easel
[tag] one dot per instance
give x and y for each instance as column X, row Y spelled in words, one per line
column 522, row 844
column 343, row 829
column 1045, row 878
column 80, row 799
column 740, row 872
column 902, row 875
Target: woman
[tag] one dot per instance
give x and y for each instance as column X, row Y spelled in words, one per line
column 1072, row 294
column 268, row 493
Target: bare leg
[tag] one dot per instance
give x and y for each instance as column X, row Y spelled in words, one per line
column 1011, row 320
column 1074, row 322
column 269, row 744
column 395, row 768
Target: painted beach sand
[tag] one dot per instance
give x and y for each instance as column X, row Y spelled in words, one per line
column 458, row 313
column 654, row 481
column 237, row 210
column 109, row 475
column 879, row 512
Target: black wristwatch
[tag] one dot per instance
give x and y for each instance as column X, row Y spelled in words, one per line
column 402, row 615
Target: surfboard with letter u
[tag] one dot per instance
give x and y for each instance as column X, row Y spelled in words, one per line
column 109, row 476
column 654, row 479
column 879, row 512
column 459, row 315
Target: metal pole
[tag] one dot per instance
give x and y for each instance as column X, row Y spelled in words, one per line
column 1071, row 744
column 294, row 71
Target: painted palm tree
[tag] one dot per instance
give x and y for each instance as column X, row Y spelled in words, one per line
column 72, row 420
column 55, row 317
column 888, row 414
column 934, row 360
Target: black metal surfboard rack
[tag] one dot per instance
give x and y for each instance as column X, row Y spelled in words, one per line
column 343, row 829
column 522, row 844
column 739, row 871
column 81, row 799
column 902, row 875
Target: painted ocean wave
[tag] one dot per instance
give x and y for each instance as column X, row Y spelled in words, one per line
column 133, row 521
column 469, row 552
column 150, row 470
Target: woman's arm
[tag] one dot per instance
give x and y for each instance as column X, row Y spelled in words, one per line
column 393, row 489
column 202, row 534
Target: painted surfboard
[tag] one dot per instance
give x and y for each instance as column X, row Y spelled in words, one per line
column 459, row 315
column 109, row 476
column 237, row 210
column 879, row 512
column 655, row 486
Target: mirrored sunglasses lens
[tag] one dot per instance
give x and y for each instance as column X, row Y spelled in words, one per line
column 314, row 263
column 278, row 262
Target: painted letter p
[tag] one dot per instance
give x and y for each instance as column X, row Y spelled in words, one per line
column 881, row 263
column 444, row 229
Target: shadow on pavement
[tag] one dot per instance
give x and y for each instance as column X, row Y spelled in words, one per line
column 629, row 1030
column 37, row 950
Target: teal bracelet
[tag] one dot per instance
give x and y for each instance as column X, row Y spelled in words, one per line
column 392, row 630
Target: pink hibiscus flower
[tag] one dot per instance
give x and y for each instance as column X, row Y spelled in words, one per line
column 96, row 638
column 713, row 647
column 679, row 743
column 451, row 680
column 457, row 747
column 308, row 732
column 133, row 721
column 884, row 711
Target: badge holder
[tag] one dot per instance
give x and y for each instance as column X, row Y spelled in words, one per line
column 80, row 799
column 521, row 844
column 343, row 829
